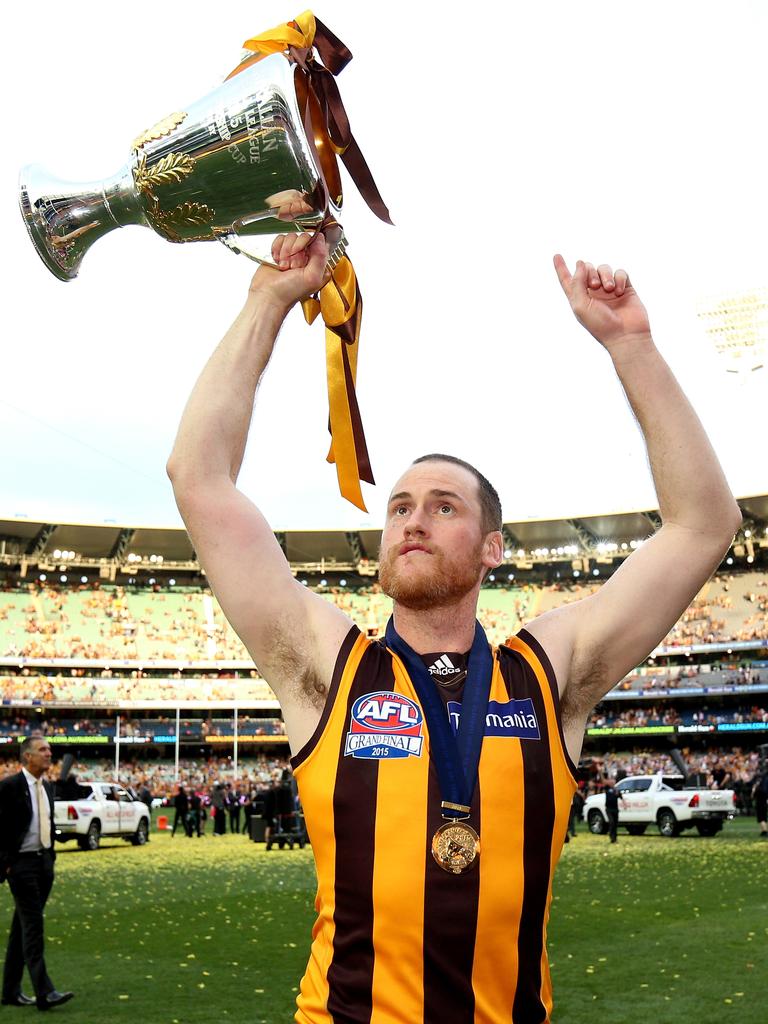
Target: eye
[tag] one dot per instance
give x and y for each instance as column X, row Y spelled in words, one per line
column 446, row 508
column 399, row 510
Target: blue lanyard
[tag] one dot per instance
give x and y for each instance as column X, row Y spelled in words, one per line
column 456, row 757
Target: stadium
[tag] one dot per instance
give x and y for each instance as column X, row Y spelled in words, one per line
column 113, row 647
column 111, row 643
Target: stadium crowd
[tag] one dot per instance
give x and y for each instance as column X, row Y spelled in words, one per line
column 174, row 647
column 79, row 687
column 189, row 728
column 606, row 715
column 253, row 775
column 734, row 609
column 638, row 717
column 94, row 621
column 676, row 677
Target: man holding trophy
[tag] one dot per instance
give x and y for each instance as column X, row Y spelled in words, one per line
column 436, row 774
column 437, row 805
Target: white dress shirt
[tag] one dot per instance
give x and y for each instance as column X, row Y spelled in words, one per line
column 31, row 841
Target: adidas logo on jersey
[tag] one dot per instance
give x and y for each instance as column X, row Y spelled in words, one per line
column 443, row 667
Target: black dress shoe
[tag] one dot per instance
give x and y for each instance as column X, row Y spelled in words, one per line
column 19, row 1000
column 47, row 1002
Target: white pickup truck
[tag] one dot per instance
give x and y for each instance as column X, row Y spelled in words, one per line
column 100, row 809
column 663, row 800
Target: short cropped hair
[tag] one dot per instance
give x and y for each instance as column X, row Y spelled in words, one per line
column 490, row 517
column 26, row 744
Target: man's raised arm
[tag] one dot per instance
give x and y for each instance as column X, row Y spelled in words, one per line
column 599, row 639
column 292, row 634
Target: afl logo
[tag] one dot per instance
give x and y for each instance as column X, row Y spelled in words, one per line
column 386, row 712
column 385, row 725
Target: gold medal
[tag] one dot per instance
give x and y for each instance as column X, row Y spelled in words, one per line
column 455, row 847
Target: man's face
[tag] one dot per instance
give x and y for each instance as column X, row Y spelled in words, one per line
column 38, row 758
column 433, row 551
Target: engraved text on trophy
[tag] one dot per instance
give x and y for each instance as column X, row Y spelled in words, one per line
column 248, row 134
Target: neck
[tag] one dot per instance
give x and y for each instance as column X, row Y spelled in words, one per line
column 444, row 628
column 35, row 774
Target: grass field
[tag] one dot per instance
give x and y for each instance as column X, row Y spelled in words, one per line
column 201, row 930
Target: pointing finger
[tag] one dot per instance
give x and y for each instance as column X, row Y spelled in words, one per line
column 622, row 281
column 578, row 294
column 563, row 273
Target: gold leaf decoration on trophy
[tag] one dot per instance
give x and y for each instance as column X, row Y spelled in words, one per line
column 157, row 131
column 171, row 169
column 171, row 223
column 186, row 215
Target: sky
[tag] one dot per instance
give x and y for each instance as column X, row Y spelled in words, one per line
column 499, row 134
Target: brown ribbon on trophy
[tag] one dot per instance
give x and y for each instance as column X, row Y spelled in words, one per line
column 339, row 302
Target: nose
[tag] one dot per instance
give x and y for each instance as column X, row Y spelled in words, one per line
column 416, row 524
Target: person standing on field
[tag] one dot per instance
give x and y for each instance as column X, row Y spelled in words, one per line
column 760, row 794
column 436, row 773
column 612, row 810
column 234, row 808
column 26, row 862
column 181, row 809
column 219, row 805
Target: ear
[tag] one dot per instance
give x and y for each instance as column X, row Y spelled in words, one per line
column 494, row 550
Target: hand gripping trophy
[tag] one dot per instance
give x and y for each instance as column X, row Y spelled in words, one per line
column 254, row 159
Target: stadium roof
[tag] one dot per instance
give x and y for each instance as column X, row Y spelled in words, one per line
column 38, row 542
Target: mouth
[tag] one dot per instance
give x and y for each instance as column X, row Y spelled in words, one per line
column 406, row 549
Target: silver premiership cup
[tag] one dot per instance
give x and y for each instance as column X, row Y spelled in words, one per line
column 236, row 167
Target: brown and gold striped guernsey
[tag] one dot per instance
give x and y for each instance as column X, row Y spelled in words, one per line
column 397, row 939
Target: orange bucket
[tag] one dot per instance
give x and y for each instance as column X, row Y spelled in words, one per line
column 162, row 821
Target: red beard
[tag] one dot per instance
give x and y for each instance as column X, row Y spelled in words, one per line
column 436, row 583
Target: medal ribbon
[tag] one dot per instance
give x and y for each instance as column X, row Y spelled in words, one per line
column 340, row 301
column 456, row 757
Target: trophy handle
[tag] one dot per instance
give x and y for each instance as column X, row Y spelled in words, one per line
column 244, row 245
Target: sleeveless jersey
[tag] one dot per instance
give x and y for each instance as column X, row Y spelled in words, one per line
column 398, row 940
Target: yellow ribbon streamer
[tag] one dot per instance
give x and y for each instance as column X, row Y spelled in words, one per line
column 311, row 308
column 342, row 286
column 299, row 33
column 338, row 305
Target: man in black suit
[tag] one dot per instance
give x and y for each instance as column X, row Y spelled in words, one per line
column 181, row 803
column 233, row 807
column 612, row 810
column 26, row 862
